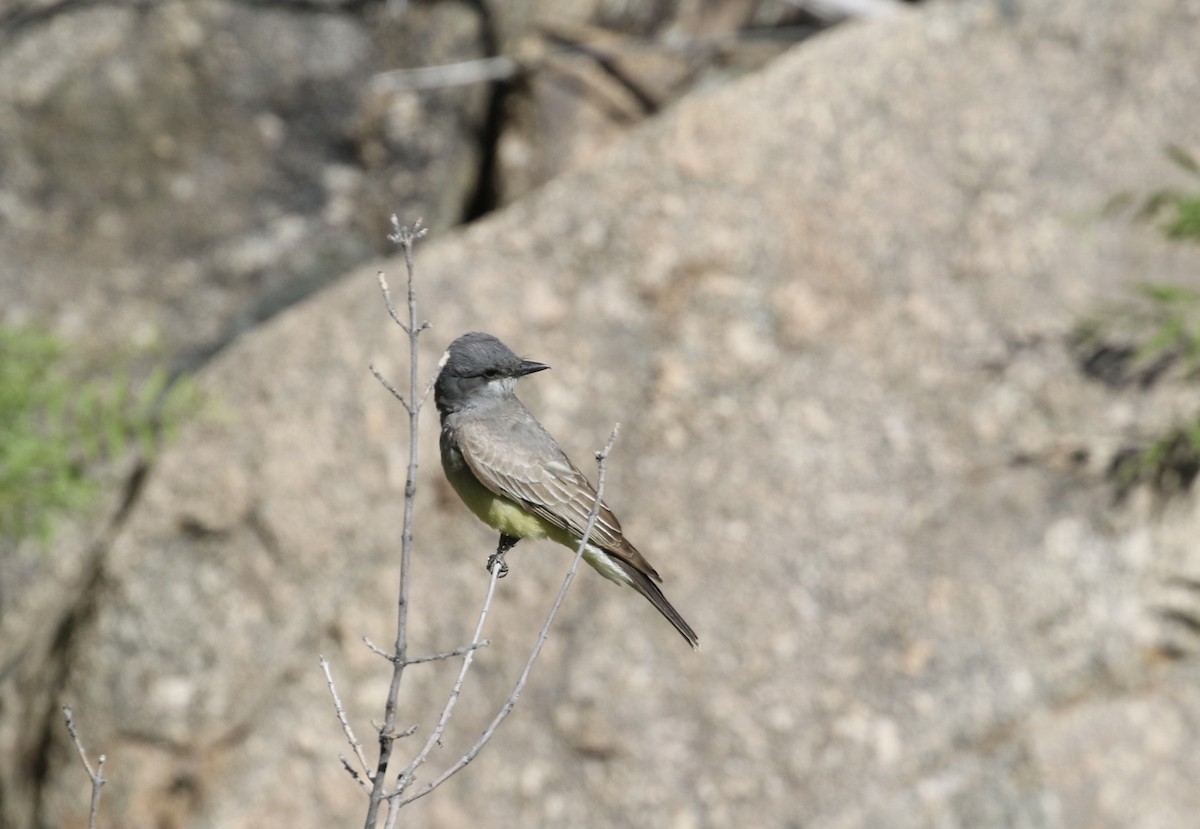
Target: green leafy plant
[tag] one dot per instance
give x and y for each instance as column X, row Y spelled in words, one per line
column 61, row 418
column 1152, row 335
column 1153, row 332
column 1170, row 463
column 1181, row 209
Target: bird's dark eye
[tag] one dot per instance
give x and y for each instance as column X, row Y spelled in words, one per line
column 491, row 373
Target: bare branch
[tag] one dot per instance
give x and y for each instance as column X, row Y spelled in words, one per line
column 510, row 703
column 387, row 385
column 354, row 775
column 346, row 729
column 436, row 657
column 398, row 735
column 406, row 237
column 387, row 297
column 435, row 738
column 450, row 654
column 96, row 774
column 433, row 378
column 392, row 814
column 378, row 651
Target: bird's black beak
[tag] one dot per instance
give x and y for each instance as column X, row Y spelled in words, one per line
column 529, row 367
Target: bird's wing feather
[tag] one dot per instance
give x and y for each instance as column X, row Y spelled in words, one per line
column 542, row 479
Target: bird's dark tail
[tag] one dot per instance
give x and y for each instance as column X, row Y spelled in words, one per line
column 642, row 584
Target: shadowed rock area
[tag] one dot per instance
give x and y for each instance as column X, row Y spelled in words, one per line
column 829, row 305
column 180, row 171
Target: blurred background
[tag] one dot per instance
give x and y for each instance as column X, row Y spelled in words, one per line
column 898, row 305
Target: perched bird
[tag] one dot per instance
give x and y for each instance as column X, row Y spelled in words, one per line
column 513, row 475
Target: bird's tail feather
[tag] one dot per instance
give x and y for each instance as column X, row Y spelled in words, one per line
column 640, row 582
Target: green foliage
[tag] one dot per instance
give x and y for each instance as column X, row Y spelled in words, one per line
column 1154, row 334
column 1155, row 331
column 61, row 418
column 1177, row 211
column 1169, row 463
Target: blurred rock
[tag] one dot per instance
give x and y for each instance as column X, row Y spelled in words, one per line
column 595, row 70
column 1127, row 761
column 180, row 171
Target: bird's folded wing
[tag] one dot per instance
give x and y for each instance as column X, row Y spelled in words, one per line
column 528, row 467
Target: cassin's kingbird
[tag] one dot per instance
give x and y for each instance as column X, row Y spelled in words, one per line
column 513, row 475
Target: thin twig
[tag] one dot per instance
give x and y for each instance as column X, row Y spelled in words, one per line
column 375, row 649
column 387, row 294
column 346, row 729
column 450, row 654
column 435, row 738
column 433, row 657
column 353, row 772
column 510, row 703
column 388, row 385
column 96, row 774
column 433, row 377
column 399, row 735
column 406, row 237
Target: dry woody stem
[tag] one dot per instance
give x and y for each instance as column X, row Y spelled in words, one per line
column 405, row 237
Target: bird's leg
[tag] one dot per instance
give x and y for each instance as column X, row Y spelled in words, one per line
column 507, row 542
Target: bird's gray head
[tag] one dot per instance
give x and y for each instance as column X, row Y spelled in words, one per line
column 478, row 368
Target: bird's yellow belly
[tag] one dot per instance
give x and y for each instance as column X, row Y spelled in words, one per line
column 498, row 513
column 512, row 520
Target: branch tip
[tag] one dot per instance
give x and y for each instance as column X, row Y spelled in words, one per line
column 96, row 774
column 378, row 651
column 405, row 235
